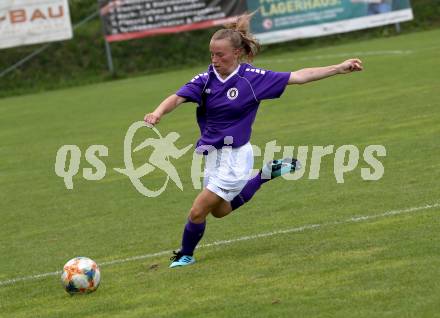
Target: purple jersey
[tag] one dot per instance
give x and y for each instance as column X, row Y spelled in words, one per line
column 228, row 107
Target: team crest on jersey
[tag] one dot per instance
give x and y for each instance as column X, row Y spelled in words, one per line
column 232, row 93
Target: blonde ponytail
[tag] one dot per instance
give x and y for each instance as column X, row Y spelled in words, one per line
column 240, row 36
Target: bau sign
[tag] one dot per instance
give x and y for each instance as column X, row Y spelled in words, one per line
column 23, row 15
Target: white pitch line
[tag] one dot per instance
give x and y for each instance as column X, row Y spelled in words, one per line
column 354, row 219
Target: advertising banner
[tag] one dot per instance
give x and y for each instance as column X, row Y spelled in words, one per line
column 274, row 20
column 283, row 20
column 25, row 22
column 131, row 19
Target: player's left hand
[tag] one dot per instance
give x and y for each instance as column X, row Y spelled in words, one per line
column 151, row 119
column 351, row 65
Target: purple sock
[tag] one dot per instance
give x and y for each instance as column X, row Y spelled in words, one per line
column 192, row 234
column 248, row 191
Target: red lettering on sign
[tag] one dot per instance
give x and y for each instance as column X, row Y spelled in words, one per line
column 57, row 15
column 38, row 15
column 17, row 16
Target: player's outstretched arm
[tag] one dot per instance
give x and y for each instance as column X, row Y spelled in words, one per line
column 307, row 75
column 167, row 105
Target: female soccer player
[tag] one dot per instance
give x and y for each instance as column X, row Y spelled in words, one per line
column 228, row 95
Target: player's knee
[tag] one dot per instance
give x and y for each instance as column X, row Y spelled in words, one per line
column 197, row 215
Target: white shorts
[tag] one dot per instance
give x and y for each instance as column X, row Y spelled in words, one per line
column 227, row 170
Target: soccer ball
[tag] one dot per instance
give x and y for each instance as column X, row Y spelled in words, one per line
column 80, row 275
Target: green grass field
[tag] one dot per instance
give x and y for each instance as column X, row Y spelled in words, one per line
column 306, row 248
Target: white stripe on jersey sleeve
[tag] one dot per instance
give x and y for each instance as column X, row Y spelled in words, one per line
column 201, row 75
column 256, row 70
